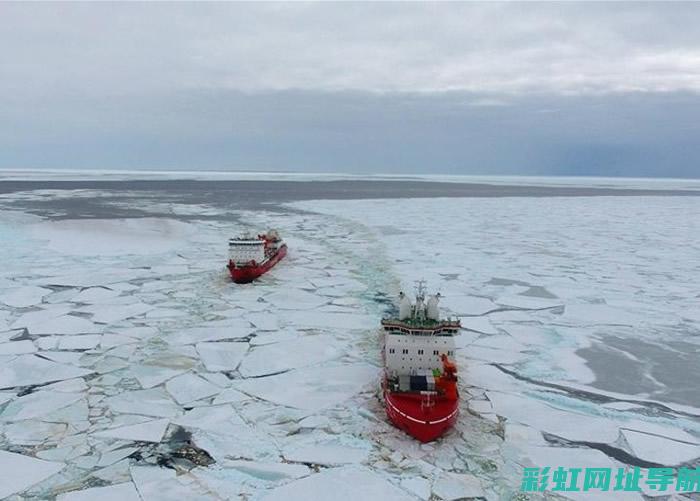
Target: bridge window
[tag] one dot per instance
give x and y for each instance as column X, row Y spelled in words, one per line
column 391, row 350
column 436, row 352
column 420, row 352
column 405, row 351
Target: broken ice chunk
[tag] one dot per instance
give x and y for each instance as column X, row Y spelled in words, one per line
column 23, row 297
column 66, row 324
column 151, row 402
column 271, row 472
column 312, row 389
column 37, row 404
column 150, row 431
column 450, row 486
column 119, row 492
column 278, row 357
column 328, row 454
column 658, row 449
column 27, row 370
column 17, row 347
column 222, row 356
column 349, row 483
column 187, row 388
column 19, row 472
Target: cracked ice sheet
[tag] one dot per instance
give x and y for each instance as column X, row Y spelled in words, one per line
column 26, row 370
column 313, row 389
column 113, row 237
column 593, row 267
column 343, row 484
column 23, row 297
column 19, row 472
column 285, row 355
column 120, row 492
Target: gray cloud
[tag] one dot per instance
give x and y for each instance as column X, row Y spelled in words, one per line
column 558, row 88
column 478, row 47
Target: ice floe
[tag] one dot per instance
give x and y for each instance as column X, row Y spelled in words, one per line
column 19, row 472
column 23, row 297
column 151, row 402
column 661, row 450
column 113, row 237
column 119, row 492
column 17, row 347
column 38, row 404
column 26, row 370
column 222, row 356
column 346, row 484
column 313, row 389
column 150, row 431
column 326, row 453
column 187, row 388
column 282, row 356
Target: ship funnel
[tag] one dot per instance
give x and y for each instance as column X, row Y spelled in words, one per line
column 404, row 306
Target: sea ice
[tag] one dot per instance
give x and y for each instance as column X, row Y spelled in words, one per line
column 151, row 402
column 86, row 342
column 529, row 302
column 313, row 389
column 163, row 484
column 450, row 486
column 119, row 492
column 19, row 472
column 113, row 237
column 599, row 314
column 66, row 324
column 26, row 370
column 110, row 456
column 23, row 297
column 37, row 404
column 149, row 376
column 327, row 454
column 263, row 321
column 199, row 334
column 278, row 357
column 17, row 347
column 95, row 295
column 661, row 450
column 38, row 318
column 271, row 472
column 295, row 300
column 229, row 395
column 462, row 305
column 111, row 313
column 222, row 356
column 348, row 483
column 330, row 321
column 34, row 432
column 150, row 431
column 420, row 487
column 263, row 338
column 478, row 324
column 187, row 388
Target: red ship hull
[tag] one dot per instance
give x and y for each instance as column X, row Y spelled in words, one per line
column 246, row 274
column 408, row 412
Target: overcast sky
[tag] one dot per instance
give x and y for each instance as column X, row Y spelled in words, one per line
column 469, row 88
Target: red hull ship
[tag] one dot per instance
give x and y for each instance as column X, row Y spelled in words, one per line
column 250, row 257
column 420, row 380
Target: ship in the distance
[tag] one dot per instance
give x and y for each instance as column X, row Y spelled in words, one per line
column 251, row 256
column 420, row 379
